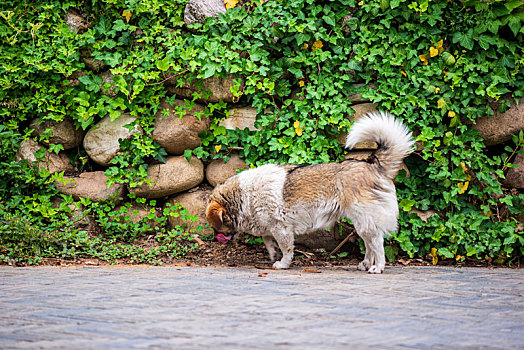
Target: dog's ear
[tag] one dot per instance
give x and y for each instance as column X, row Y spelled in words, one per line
column 215, row 215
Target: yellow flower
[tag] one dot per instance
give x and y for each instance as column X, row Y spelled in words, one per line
column 403, row 73
column 297, row 127
column 230, row 3
column 127, row 15
column 463, row 186
column 433, row 51
column 439, row 46
column 218, row 148
column 451, row 114
column 301, row 83
column 317, row 45
column 434, row 255
column 424, row 58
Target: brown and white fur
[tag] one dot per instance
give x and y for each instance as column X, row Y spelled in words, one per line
column 278, row 202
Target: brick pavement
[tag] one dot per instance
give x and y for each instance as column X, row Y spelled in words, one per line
column 234, row 308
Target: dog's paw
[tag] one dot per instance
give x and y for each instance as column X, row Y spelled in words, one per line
column 376, row 269
column 275, row 257
column 363, row 266
column 280, row 265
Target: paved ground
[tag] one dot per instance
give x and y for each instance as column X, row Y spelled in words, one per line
column 239, row 308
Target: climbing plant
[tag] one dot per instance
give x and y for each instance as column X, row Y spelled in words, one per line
column 437, row 65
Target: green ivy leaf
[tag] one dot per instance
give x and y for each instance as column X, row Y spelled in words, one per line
column 464, row 39
column 470, row 251
column 486, row 40
column 508, row 61
column 454, row 121
column 448, row 58
column 391, row 252
column 188, row 154
column 329, row 20
column 514, row 24
column 163, row 64
column 92, row 82
column 445, row 252
column 511, row 5
column 448, row 138
column 395, row 3
column 407, row 204
column 209, row 69
column 384, row 4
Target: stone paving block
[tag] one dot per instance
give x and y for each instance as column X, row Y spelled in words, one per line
column 224, row 308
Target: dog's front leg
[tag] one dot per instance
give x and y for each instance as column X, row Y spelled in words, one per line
column 366, row 263
column 285, row 241
column 271, row 247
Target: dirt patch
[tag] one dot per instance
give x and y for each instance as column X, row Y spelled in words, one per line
column 246, row 253
column 241, row 253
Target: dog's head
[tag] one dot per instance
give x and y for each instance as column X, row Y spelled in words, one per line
column 218, row 219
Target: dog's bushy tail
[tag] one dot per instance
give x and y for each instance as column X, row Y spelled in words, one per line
column 394, row 139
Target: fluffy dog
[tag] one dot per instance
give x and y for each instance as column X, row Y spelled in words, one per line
column 278, row 202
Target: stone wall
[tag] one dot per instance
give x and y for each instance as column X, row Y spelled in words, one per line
column 190, row 183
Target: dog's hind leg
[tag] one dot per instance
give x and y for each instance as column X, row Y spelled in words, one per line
column 271, row 247
column 374, row 260
column 376, row 245
column 285, row 241
column 373, row 237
